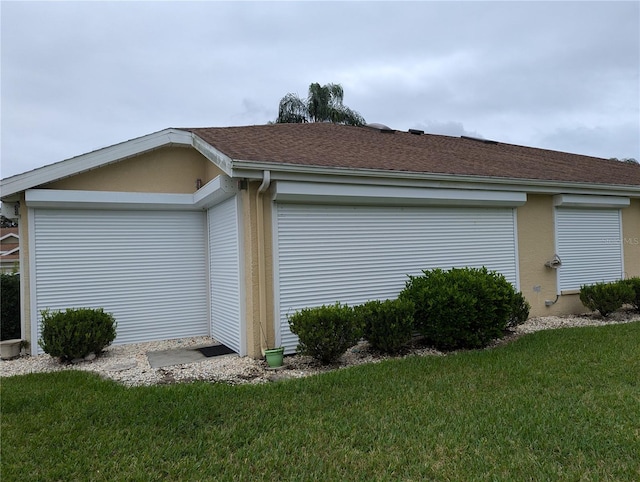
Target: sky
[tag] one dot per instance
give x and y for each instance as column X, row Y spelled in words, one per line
column 79, row 76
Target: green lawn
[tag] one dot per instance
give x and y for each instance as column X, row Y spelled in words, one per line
column 555, row 405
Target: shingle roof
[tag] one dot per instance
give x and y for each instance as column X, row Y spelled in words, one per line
column 336, row 146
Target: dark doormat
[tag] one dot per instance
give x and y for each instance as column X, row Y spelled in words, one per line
column 216, row 350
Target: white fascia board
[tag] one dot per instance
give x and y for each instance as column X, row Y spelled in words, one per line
column 291, row 172
column 221, row 160
column 585, row 201
column 214, row 192
column 325, row 193
column 93, row 160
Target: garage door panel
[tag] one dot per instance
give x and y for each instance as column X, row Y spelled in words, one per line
column 353, row 254
column 145, row 267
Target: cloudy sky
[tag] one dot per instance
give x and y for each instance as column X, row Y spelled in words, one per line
column 77, row 76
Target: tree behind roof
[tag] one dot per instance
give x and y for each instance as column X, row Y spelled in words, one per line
column 323, row 104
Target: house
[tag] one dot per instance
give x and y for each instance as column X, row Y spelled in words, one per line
column 226, row 231
column 9, row 250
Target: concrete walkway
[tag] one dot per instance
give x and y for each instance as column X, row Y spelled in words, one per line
column 165, row 358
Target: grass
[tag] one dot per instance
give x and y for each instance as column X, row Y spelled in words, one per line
column 554, row 405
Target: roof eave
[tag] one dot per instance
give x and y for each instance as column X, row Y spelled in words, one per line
column 254, row 170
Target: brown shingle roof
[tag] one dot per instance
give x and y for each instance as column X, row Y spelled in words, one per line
column 335, row 146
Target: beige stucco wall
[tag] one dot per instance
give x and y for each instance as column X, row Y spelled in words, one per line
column 631, row 238
column 536, row 246
column 258, row 270
column 168, row 170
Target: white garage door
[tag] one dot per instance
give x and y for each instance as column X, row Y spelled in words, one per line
column 146, row 267
column 224, row 265
column 353, row 254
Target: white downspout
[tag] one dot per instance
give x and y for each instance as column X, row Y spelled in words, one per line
column 262, row 271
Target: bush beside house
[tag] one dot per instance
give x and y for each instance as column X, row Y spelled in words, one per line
column 10, row 311
column 388, row 325
column 635, row 285
column 607, row 298
column 325, row 332
column 75, row 333
column 459, row 308
column 462, row 307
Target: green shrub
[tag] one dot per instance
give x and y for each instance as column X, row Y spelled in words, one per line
column 635, row 286
column 10, row 310
column 325, row 332
column 387, row 325
column 606, row 297
column 519, row 310
column 75, row 333
column 462, row 307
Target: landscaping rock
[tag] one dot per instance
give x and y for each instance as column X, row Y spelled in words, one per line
column 129, row 365
column 120, row 367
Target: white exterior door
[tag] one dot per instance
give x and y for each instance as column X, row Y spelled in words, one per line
column 146, row 267
column 351, row 254
column 224, row 269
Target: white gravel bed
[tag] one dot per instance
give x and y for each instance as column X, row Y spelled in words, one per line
column 128, row 364
column 592, row 319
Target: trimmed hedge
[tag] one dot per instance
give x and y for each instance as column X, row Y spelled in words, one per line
column 388, row 325
column 325, row 332
column 462, row 307
column 76, row 332
column 520, row 308
column 10, row 311
column 607, row 297
column 635, row 286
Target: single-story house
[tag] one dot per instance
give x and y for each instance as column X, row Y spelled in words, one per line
column 227, row 231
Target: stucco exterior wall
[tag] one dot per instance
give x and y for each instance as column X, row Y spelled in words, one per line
column 631, row 238
column 258, row 268
column 536, row 246
column 168, row 170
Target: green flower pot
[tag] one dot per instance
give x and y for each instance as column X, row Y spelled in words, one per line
column 274, row 357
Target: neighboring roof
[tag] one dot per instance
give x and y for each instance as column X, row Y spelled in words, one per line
column 337, row 146
column 9, row 244
column 10, row 233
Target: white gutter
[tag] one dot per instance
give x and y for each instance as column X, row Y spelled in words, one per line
column 266, row 182
column 296, row 172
